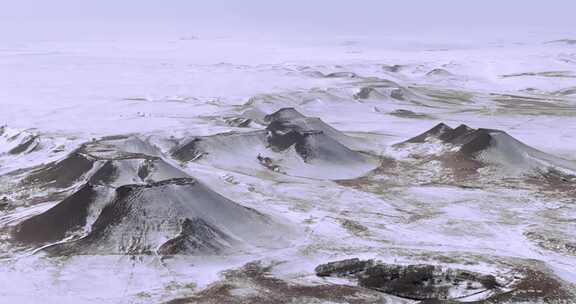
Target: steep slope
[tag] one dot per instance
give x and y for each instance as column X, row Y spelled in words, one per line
column 176, row 216
column 493, row 148
column 291, row 118
column 69, row 218
column 85, row 181
column 92, row 158
column 119, row 196
column 292, row 144
column 17, row 142
column 111, row 161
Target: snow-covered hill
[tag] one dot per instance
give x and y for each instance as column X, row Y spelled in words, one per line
column 232, row 170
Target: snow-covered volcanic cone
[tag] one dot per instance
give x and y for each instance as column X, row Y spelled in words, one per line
column 175, row 216
column 489, row 147
column 292, row 144
column 111, row 161
column 122, row 199
column 290, row 118
column 70, row 218
column 102, row 159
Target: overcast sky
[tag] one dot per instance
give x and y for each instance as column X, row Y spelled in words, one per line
column 49, row 17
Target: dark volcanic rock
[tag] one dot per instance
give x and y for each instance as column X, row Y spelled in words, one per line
column 106, row 174
column 284, row 114
column 4, row 203
column 421, row 282
column 383, row 89
column 293, row 119
column 118, row 200
column 239, row 122
column 110, row 162
column 19, row 142
column 453, row 134
column 193, row 218
column 29, row 144
column 310, row 136
column 439, row 72
column 564, row 41
column 310, row 145
column 55, row 224
column 62, row 174
column 197, row 236
column 413, row 281
column 342, row 75
column 431, row 284
column 410, row 114
column 438, row 131
column 475, row 141
column 490, row 146
column 288, row 119
column 565, row 92
column 343, row 268
column 416, row 282
column 103, row 156
column 366, row 93
column 283, row 135
column 463, row 156
column 189, row 151
column 80, row 167
column 471, row 141
column 536, row 287
column 549, row 241
column 292, row 144
column 392, row 68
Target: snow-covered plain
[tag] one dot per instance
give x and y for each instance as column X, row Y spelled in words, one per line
column 373, row 92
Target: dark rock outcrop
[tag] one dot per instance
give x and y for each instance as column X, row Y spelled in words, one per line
column 438, row 72
column 430, row 284
column 28, row 144
column 188, row 151
column 238, row 122
column 438, row 131
column 197, row 236
column 491, row 146
column 410, row 114
column 59, row 221
column 284, row 114
column 254, row 283
column 63, row 173
column 415, row 282
column 342, row 75
column 421, row 282
column 343, row 268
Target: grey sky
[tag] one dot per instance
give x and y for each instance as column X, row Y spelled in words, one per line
column 337, row 16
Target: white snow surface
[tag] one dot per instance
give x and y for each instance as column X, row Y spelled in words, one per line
column 165, row 89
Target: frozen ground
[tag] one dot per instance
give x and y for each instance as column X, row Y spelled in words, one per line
column 346, row 192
